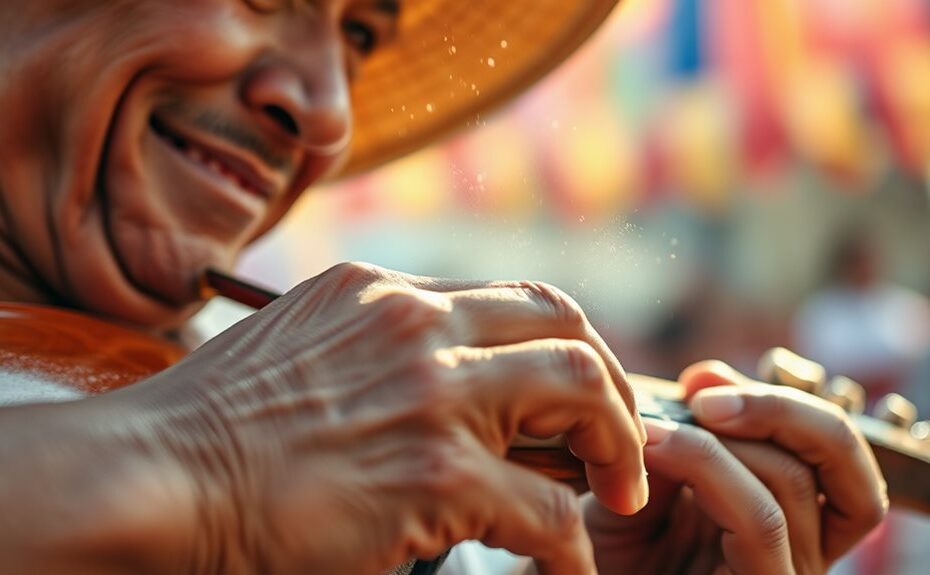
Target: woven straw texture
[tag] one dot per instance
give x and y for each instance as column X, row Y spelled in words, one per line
column 455, row 58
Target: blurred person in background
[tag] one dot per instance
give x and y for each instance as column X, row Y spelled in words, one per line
column 861, row 325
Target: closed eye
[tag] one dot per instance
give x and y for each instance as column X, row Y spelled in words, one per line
column 369, row 24
column 360, row 36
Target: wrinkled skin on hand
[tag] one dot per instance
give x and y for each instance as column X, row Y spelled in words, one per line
column 361, row 420
column 779, row 481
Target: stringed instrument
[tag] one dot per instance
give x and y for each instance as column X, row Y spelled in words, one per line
column 50, row 354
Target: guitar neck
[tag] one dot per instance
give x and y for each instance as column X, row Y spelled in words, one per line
column 903, row 458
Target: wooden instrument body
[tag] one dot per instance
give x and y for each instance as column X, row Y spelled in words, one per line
column 54, row 348
column 65, row 355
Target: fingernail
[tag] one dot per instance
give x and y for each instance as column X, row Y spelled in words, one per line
column 657, row 430
column 716, row 404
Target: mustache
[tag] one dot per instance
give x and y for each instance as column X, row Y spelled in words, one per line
column 237, row 133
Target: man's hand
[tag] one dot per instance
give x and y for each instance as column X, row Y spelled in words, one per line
column 361, row 420
column 778, row 481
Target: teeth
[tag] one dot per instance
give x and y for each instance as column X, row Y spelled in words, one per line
column 216, row 166
column 205, row 159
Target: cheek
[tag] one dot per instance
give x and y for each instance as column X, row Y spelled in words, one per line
column 142, row 188
column 178, row 44
column 162, row 236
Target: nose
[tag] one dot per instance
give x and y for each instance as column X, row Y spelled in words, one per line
column 303, row 96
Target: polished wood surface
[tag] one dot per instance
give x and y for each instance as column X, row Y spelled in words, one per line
column 49, row 345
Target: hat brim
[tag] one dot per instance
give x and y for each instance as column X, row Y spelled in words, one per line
column 454, row 59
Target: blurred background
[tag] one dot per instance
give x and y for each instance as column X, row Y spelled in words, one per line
column 709, row 178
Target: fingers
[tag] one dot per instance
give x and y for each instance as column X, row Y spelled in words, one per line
column 550, row 387
column 821, row 435
column 462, row 492
column 755, row 537
column 539, row 387
column 794, row 486
column 525, row 311
column 492, row 316
column 543, row 520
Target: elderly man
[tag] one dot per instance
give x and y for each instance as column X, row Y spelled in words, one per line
column 359, row 422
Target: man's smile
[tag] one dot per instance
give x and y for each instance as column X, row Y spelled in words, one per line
column 222, row 160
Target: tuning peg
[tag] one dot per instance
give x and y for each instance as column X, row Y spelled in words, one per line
column 846, row 393
column 921, row 430
column 896, row 410
column 780, row 366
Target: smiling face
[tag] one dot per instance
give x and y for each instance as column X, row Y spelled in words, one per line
column 143, row 140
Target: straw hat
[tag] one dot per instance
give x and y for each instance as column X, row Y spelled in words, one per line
column 455, row 58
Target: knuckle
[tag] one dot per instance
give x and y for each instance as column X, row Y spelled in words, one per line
column 799, row 479
column 583, row 365
column 430, row 379
column 842, row 436
column 398, row 304
column 558, row 303
column 412, row 311
column 444, row 470
column 426, row 372
column 774, row 402
column 562, row 510
column 771, row 525
column 704, row 444
column 347, row 274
